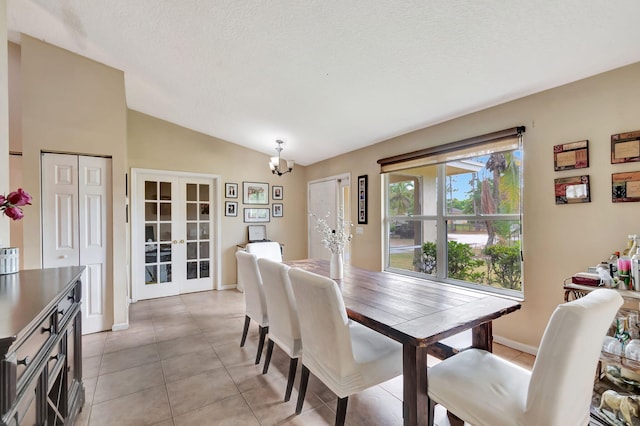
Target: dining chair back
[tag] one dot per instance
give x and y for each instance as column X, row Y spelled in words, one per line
column 255, row 299
column 483, row 389
column 265, row 250
column 284, row 327
column 346, row 356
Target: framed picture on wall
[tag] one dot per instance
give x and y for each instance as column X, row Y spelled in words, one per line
column 278, row 192
column 231, row 208
column 362, row 199
column 278, row 210
column 625, row 147
column 256, row 215
column 231, row 190
column 572, row 190
column 574, row 155
column 255, row 193
column 625, row 187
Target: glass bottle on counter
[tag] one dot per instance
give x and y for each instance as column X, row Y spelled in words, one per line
column 635, row 270
column 613, row 263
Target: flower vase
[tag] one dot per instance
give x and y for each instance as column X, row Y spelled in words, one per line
column 336, row 266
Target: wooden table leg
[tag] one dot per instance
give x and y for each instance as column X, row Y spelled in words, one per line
column 482, row 337
column 414, row 369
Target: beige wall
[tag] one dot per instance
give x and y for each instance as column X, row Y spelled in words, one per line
column 74, row 105
column 157, row 144
column 559, row 240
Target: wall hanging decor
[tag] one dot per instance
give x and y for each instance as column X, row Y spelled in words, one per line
column 625, row 187
column 572, row 190
column 256, row 215
column 231, row 190
column 277, row 192
column 574, row 155
column 230, row 208
column 625, row 147
column 362, row 199
column 255, row 193
column 278, row 210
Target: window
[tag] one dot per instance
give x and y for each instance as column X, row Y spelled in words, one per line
column 453, row 213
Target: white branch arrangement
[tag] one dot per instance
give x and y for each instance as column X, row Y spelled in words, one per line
column 334, row 239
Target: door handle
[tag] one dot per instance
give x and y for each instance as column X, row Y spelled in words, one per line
column 64, row 256
column 181, row 241
column 175, row 241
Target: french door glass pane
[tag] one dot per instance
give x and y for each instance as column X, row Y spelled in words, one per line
column 198, row 238
column 204, row 269
column 157, row 228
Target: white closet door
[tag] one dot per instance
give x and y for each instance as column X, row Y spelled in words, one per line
column 60, row 211
column 94, row 198
column 76, row 204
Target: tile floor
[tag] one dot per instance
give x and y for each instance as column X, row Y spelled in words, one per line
column 180, row 363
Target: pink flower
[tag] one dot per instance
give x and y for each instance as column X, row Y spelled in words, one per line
column 10, row 205
column 19, row 198
column 14, row 213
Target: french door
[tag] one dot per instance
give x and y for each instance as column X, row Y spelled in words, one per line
column 173, row 234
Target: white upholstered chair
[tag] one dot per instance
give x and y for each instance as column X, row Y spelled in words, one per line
column 284, row 327
column 345, row 355
column 254, row 298
column 483, row 389
column 265, row 250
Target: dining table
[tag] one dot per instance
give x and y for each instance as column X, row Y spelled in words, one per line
column 417, row 312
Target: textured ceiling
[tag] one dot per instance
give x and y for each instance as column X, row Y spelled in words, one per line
column 331, row 76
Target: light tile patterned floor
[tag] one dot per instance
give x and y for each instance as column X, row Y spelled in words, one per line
column 180, row 363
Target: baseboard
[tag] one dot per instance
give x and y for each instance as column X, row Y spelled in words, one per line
column 228, row 287
column 533, row 350
column 120, row 327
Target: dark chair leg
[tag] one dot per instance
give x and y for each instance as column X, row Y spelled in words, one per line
column 432, row 410
column 247, row 320
column 263, row 334
column 341, row 411
column 304, row 379
column 267, row 360
column 293, row 365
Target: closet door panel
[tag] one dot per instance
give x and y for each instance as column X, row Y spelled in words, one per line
column 59, row 210
column 94, row 201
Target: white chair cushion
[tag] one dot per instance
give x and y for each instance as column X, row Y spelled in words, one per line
column 249, row 277
column 266, row 250
column 346, row 356
column 497, row 395
column 284, row 326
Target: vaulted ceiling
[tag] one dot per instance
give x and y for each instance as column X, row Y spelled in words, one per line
column 329, row 76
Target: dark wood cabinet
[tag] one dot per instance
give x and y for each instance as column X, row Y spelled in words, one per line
column 41, row 347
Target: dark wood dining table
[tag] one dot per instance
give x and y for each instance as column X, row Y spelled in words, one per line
column 418, row 313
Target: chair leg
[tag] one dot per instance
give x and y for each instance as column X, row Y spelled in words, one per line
column 432, row 410
column 293, row 365
column 304, row 379
column 454, row 420
column 263, row 334
column 341, row 411
column 247, row 320
column 267, row 359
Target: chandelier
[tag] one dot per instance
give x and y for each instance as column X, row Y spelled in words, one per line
column 275, row 164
